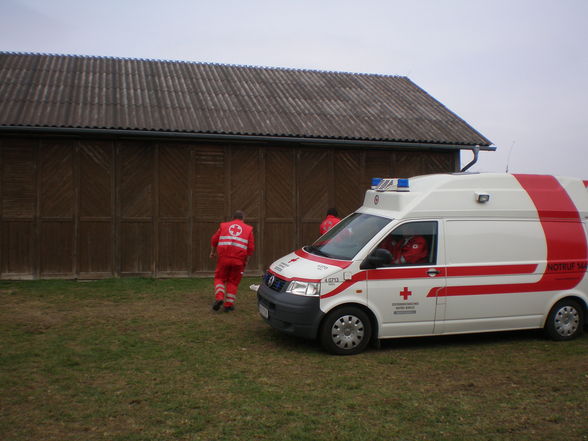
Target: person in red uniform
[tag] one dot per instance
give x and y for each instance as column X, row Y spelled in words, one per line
column 406, row 249
column 233, row 242
column 330, row 221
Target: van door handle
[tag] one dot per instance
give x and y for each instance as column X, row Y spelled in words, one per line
column 433, row 272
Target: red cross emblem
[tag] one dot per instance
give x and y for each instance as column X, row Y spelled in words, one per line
column 235, row 230
column 405, row 293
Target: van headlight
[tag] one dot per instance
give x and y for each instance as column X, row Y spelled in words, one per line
column 311, row 289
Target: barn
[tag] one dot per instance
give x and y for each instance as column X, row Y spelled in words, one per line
column 114, row 167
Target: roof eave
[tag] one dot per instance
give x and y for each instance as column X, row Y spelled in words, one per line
column 243, row 138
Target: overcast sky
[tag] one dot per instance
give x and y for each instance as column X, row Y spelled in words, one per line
column 515, row 70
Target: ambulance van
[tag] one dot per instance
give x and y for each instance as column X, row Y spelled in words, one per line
column 436, row 255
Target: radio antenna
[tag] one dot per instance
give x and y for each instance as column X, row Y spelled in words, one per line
column 508, row 157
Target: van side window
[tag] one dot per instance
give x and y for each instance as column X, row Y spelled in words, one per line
column 413, row 243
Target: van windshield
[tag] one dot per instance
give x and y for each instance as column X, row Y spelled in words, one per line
column 349, row 236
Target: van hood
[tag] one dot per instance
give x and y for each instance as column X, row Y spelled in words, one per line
column 306, row 267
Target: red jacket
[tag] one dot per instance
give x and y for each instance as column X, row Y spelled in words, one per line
column 329, row 223
column 234, row 239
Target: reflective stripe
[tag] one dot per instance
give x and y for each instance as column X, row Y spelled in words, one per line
column 240, row 239
column 231, row 297
column 232, row 244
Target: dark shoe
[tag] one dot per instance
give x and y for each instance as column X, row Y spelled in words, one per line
column 229, row 308
column 216, row 306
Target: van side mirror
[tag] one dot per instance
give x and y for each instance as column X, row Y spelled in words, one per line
column 377, row 258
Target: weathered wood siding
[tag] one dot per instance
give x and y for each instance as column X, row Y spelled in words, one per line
column 91, row 208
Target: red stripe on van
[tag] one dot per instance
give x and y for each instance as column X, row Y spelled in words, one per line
column 421, row 273
column 340, row 263
column 490, row 270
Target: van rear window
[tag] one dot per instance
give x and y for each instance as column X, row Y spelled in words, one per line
column 349, row 236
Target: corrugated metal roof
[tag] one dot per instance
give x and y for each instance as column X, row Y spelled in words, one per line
column 64, row 91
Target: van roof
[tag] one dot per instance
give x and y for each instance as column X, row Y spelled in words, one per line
column 459, row 195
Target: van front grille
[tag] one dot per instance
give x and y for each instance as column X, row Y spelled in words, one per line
column 274, row 282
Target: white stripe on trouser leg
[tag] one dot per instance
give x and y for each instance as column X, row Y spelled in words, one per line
column 219, row 288
column 231, row 298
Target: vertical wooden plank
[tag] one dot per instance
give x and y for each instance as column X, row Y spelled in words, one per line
column 246, row 191
column 155, row 217
column 18, row 208
column 174, row 202
column 57, row 208
column 96, row 179
column 17, row 249
column 210, row 186
column 136, row 198
column 117, row 259
column 19, row 192
column 2, row 242
column 348, row 181
column 278, row 234
column 36, row 249
column 313, row 197
column 190, row 237
column 57, row 179
column 260, row 232
column 96, row 234
column 76, row 214
column 245, row 182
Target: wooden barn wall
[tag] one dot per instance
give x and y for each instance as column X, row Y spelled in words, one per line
column 88, row 208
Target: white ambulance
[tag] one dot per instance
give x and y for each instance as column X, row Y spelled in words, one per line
column 440, row 254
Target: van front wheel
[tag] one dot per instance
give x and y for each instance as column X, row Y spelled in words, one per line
column 565, row 320
column 346, row 331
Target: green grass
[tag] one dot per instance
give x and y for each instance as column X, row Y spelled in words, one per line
column 141, row 359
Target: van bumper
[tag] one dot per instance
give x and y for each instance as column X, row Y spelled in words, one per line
column 289, row 313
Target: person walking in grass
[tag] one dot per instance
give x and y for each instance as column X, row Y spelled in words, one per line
column 233, row 243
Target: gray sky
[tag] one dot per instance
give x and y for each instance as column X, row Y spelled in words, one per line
column 515, row 70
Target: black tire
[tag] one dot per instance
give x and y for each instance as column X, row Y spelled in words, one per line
column 565, row 320
column 346, row 331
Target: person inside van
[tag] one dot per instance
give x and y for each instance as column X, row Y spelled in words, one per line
column 406, row 250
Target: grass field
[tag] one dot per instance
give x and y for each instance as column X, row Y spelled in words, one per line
column 141, row 359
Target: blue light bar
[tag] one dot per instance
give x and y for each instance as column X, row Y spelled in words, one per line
column 402, row 185
column 376, row 182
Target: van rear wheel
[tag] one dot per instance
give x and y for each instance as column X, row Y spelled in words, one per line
column 346, row 331
column 565, row 320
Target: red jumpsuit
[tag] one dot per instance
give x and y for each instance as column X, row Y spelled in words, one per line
column 234, row 243
column 329, row 223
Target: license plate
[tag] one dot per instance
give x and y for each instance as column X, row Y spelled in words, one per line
column 263, row 311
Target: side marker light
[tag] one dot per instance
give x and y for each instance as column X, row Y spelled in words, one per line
column 482, row 198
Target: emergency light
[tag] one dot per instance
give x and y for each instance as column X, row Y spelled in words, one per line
column 390, row 184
